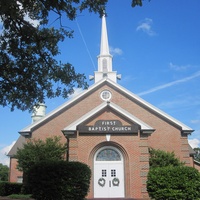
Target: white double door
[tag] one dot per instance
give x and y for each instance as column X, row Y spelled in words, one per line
column 108, row 179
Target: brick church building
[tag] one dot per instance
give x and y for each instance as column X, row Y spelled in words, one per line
column 110, row 129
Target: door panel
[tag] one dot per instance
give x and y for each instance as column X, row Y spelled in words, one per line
column 108, row 179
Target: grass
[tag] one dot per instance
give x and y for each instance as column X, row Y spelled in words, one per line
column 20, row 196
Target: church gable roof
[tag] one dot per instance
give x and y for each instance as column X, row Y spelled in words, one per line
column 118, row 88
column 18, row 144
column 145, row 128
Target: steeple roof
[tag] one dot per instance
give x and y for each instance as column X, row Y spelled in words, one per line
column 104, row 50
column 105, row 58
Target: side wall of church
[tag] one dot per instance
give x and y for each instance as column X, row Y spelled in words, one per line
column 15, row 174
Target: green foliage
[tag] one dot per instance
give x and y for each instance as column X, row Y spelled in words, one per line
column 35, row 151
column 59, row 180
column 197, row 154
column 4, row 170
column 174, row 183
column 137, row 3
column 29, row 68
column 7, row 188
column 168, row 178
column 30, row 71
column 159, row 158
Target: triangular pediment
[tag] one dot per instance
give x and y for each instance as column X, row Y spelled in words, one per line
column 111, row 116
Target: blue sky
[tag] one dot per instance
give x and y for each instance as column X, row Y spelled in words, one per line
column 156, row 48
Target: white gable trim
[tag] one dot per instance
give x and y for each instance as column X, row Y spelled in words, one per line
column 185, row 128
column 73, row 126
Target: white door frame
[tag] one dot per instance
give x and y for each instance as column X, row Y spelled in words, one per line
column 109, row 174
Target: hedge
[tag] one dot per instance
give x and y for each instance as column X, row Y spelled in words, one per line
column 173, row 183
column 7, row 188
column 59, row 180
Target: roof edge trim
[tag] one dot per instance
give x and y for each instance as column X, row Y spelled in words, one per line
column 72, row 126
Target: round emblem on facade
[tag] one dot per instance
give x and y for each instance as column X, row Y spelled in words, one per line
column 106, row 95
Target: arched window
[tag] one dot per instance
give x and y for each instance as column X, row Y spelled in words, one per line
column 108, row 154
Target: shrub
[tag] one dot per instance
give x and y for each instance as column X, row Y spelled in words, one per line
column 58, row 180
column 7, row 188
column 4, row 169
column 173, row 183
column 36, row 150
column 160, row 158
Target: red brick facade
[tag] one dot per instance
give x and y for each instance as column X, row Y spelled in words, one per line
column 167, row 134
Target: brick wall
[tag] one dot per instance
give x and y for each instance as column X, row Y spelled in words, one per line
column 14, row 173
column 134, row 147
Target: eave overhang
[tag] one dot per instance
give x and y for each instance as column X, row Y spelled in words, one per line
column 184, row 129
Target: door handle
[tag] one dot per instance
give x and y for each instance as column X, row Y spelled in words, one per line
column 109, row 183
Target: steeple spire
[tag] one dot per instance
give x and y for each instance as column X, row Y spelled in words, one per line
column 105, row 58
column 104, row 38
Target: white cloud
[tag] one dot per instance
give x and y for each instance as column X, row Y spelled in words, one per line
column 197, row 74
column 4, row 159
column 178, row 67
column 146, row 26
column 116, row 51
column 194, row 143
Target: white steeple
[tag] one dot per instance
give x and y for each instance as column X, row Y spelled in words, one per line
column 105, row 58
column 104, row 50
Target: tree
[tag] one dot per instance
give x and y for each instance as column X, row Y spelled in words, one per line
column 4, row 172
column 29, row 46
column 197, row 154
column 35, row 151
